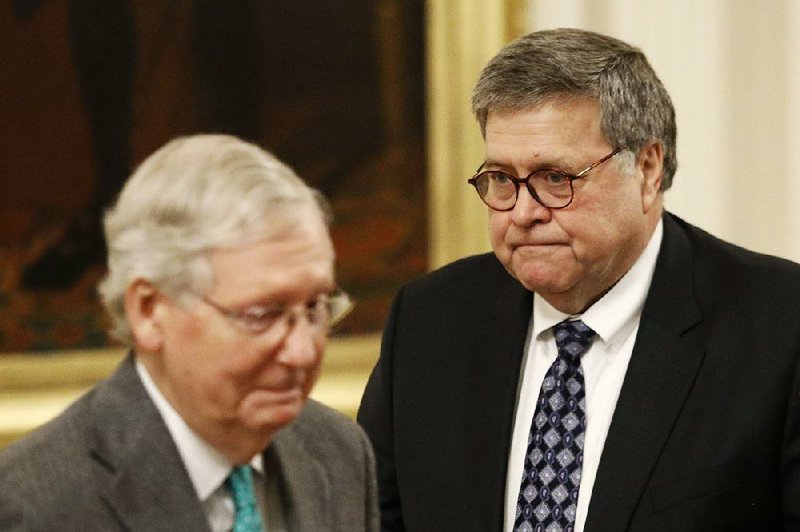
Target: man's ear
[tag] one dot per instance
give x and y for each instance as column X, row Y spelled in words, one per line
column 650, row 164
column 142, row 307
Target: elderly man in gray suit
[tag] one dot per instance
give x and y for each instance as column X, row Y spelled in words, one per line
column 221, row 279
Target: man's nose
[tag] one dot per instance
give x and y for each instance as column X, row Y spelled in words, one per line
column 528, row 210
column 301, row 346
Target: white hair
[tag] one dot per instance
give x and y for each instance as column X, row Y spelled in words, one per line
column 193, row 195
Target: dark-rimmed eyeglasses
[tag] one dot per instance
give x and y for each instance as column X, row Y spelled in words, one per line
column 321, row 313
column 550, row 187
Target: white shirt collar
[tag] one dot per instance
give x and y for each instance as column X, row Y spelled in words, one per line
column 207, row 467
column 614, row 314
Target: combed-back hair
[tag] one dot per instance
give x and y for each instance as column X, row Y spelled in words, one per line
column 194, row 195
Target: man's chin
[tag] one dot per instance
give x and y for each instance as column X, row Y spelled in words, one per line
column 271, row 411
column 540, row 271
column 543, row 281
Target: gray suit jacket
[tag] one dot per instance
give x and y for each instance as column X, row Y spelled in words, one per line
column 108, row 463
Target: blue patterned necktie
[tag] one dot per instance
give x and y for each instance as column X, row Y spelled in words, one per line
column 247, row 517
column 548, row 496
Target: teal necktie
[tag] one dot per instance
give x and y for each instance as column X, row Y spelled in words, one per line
column 247, row 517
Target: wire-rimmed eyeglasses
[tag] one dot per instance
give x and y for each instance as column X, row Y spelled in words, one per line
column 321, row 313
column 552, row 188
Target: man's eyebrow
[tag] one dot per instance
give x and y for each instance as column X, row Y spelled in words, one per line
column 496, row 164
column 541, row 164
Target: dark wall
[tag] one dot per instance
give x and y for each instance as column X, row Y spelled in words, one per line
column 88, row 88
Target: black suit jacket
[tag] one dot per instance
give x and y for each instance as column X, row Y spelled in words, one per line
column 706, row 431
column 109, row 463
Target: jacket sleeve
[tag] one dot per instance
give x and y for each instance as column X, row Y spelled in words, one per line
column 790, row 459
column 376, row 417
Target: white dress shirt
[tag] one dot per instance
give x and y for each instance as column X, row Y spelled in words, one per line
column 207, row 467
column 615, row 319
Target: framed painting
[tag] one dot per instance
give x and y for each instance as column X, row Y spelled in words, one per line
column 367, row 99
column 91, row 87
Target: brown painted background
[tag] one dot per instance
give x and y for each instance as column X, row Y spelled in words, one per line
column 88, row 88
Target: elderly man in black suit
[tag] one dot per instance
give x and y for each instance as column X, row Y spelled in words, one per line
column 221, row 278
column 609, row 367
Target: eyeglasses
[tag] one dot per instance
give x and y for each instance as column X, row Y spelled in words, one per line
column 321, row 313
column 551, row 188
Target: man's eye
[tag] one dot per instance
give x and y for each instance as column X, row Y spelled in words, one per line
column 552, row 178
column 500, row 178
column 262, row 317
column 317, row 309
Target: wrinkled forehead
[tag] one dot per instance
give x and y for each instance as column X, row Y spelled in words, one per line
column 285, row 220
column 568, row 123
column 298, row 261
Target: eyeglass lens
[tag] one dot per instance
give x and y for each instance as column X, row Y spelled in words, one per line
column 500, row 190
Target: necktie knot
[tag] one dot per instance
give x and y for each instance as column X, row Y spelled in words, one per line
column 240, row 483
column 572, row 339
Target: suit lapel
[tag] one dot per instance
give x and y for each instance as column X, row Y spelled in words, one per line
column 304, row 482
column 660, row 375
column 493, row 375
column 140, row 474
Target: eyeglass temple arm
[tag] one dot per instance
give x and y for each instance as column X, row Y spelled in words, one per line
column 596, row 164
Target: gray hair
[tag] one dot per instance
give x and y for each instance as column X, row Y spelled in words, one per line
column 194, row 195
column 635, row 108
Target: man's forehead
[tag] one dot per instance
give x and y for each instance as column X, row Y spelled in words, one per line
column 558, row 131
column 305, row 253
